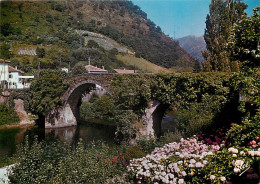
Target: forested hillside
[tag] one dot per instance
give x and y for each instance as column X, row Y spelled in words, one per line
column 52, row 26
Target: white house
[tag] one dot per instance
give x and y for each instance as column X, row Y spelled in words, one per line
column 12, row 78
column 4, row 74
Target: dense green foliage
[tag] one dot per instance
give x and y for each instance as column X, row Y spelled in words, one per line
column 7, row 115
column 131, row 92
column 58, row 163
column 4, row 51
column 222, row 15
column 201, row 101
column 244, row 41
column 101, row 107
column 242, row 133
column 46, row 92
column 78, row 70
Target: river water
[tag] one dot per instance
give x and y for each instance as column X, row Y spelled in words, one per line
column 10, row 138
column 94, row 130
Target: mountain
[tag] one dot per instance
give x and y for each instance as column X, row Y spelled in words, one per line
column 54, row 25
column 193, row 45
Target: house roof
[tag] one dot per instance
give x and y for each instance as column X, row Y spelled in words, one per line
column 91, row 68
column 124, row 71
column 12, row 69
column 4, row 61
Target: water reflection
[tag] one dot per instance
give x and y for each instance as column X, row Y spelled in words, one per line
column 9, row 138
column 64, row 134
column 88, row 133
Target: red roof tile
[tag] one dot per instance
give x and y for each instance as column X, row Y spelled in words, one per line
column 124, row 71
column 4, row 61
column 12, row 69
column 91, row 68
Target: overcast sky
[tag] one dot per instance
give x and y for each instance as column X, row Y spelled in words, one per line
column 179, row 18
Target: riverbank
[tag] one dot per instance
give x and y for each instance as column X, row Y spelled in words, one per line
column 11, row 126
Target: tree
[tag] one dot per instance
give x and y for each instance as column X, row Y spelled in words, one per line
column 4, row 51
column 197, row 67
column 78, row 69
column 15, row 63
column 92, row 44
column 222, row 15
column 46, row 93
column 104, row 106
column 40, row 52
column 7, row 29
column 244, row 41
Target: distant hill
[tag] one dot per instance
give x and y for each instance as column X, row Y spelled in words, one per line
column 53, row 25
column 193, row 45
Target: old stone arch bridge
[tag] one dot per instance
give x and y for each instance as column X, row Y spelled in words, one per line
column 68, row 114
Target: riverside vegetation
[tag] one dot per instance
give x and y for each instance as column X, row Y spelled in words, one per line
column 217, row 115
column 211, row 96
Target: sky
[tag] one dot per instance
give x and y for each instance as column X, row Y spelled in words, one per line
column 179, row 18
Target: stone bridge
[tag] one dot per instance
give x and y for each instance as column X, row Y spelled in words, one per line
column 68, row 114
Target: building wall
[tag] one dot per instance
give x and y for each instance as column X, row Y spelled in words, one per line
column 4, row 72
column 14, row 81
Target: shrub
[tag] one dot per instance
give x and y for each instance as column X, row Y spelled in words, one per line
column 57, row 163
column 78, row 70
column 46, row 92
column 7, row 115
column 135, row 151
column 126, row 125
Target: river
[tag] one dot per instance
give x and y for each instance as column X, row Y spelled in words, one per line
column 10, row 138
column 94, row 130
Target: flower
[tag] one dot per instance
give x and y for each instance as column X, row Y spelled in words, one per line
column 183, row 173
column 192, row 161
column 222, row 178
column 233, row 150
column 212, row 177
column 236, row 170
column 242, row 153
column 181, row 181
column 198, row 164
column 239, row 163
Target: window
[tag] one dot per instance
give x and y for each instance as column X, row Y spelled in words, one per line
column 10, row 76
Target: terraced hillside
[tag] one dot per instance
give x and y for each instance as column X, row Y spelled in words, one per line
column 116, row 26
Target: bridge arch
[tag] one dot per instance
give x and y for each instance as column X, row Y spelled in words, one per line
column 152, row 119
column 68, row 114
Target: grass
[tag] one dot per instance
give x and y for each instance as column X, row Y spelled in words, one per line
column 141, row 64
